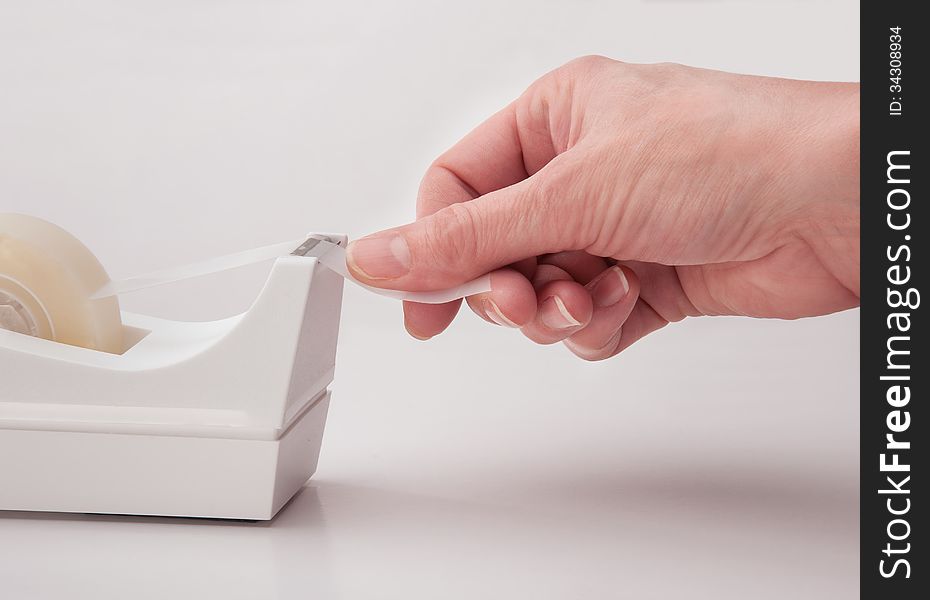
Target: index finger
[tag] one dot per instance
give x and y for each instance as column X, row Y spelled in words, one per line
column 504, row 150
column 491, row 157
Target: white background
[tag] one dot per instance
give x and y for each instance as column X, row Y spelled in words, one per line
column 717, row 458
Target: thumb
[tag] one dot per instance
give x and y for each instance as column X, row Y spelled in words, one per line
column 465, row 240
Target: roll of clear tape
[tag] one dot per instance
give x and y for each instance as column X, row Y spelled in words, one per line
column 47, row 280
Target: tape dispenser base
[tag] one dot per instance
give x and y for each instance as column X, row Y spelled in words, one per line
column 220, row 420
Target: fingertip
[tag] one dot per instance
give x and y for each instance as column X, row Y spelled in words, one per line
column 610, row 335
column 379, row 258
column 425, row 321
column 511, row 301
column 564, row 308
column 564, row 304
column 613, row 286
column 412, row 333
column 614, row 294
column 611, row 348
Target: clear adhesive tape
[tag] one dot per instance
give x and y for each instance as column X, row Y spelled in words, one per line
column 47, row 280
column 330, row 255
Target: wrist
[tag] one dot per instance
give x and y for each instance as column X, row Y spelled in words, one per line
column 825, row 169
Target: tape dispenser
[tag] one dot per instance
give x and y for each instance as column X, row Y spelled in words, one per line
column 103, row 411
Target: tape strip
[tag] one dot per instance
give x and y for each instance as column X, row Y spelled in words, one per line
column 198, row 269
column 330, row 255
column 334, row 258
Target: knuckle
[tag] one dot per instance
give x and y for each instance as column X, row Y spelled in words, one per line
column 551, row 204
column 657, row 82
column 589, row 63
column 455, row 238
column 440, row 182
column 582, row 69
column 663, row 72
column 567, row 75
column 539, row 208
column 667, row 67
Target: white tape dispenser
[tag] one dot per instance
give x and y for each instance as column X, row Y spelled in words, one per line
column 109, row 412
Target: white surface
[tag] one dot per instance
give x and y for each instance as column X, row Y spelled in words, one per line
column 717, row 458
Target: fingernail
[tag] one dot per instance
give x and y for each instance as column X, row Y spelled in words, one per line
column 609, row 288
column 555, row 315
column 494, row 313
column 380, row 256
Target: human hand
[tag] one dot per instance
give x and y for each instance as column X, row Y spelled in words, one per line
column 611, row 199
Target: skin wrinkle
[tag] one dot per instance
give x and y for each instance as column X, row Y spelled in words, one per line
column 760, row 298
column 454, row 236
column 735, row 212
column 649, row 213
column 588, row 227
column 721, row 192
column 693, row 283
column 678, row 301
column 537, row 109
column 532, row 117
column 658, row 323
column 757, row 184
column 523, row 146
column 686, row 307
column 465, row 241
column 612, row 232
column 608, row 232
column 568, row 92
column 543, row 198
column 466, row 187
column 578, row 123
column 817, row 250
column 853, row 294
column 724, row 292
